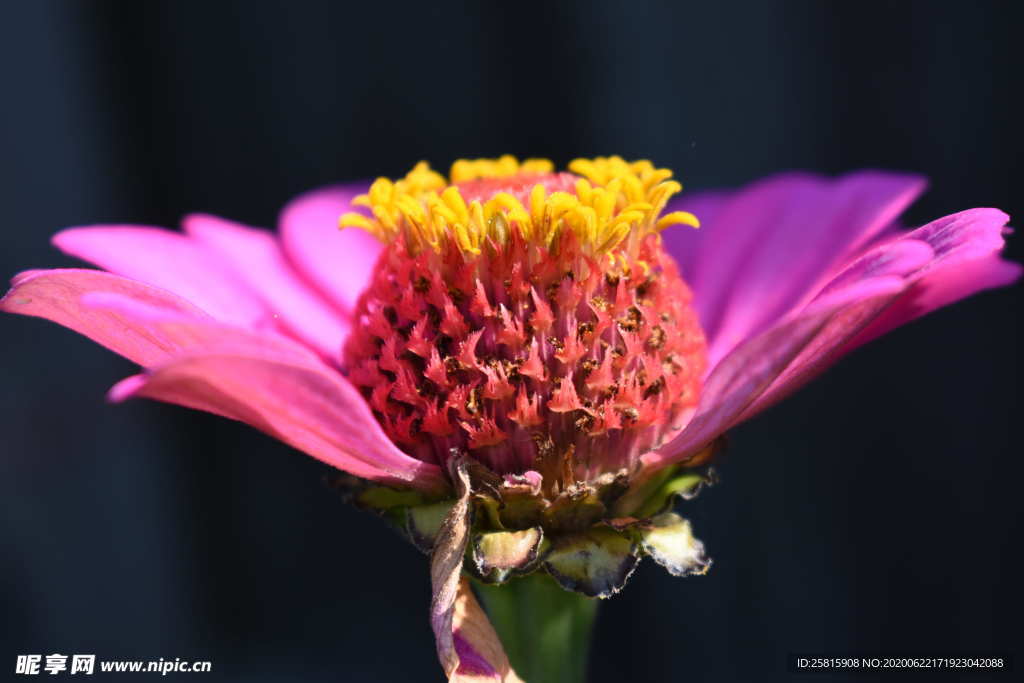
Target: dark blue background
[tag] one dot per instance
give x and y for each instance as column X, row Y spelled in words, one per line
column 877, row 511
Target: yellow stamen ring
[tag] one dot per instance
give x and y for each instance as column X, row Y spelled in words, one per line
column 613, row 200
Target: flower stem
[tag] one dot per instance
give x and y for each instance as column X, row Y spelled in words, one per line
column 544, row 628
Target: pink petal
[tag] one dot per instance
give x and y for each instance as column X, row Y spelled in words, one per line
column 57, row 295
column 767, row 249
column 171, row 261
column 256, row 258
column 747, row 372
column 964, row 260
column 192, row 334
column 967, row 261
column 892, row 282
column 337, row 262
column 306, row 404
column 265, row 379
column 143, row 323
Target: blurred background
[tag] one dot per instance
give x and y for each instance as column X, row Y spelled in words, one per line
column 878, row 511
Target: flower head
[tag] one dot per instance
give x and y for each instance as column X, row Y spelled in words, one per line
column 509, row 359
column 530, row 319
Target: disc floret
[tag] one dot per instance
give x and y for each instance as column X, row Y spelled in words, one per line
column 560, row 331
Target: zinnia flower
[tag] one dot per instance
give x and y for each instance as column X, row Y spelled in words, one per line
column 521, row 369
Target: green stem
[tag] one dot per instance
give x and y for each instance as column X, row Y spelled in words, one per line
column 544, row 628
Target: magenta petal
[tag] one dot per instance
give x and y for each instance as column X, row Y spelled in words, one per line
column 171, row 261
column 256, row 259
column 967, row 246
column 964, row 260
column 265, row 379
column 29, row 274
column 145, row 324
column 305, row 404
column 892, row 282
column 57, row 295
column 937, row 290
column 292, row 376
column 753, row 366
column 770, row 247
column 338, row 262
column 190, row 334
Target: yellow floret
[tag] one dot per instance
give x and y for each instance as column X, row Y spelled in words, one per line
column 613, row 199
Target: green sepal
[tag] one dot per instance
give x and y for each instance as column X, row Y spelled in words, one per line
column 385, row 498
column 488, row 511
column 596, row 562
column 423, row 522
column 395, row 518
column 668, row 539
column 685, row 485
column 578, row 508
column 660, row 492
column 520, row 508
column 499, row 554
